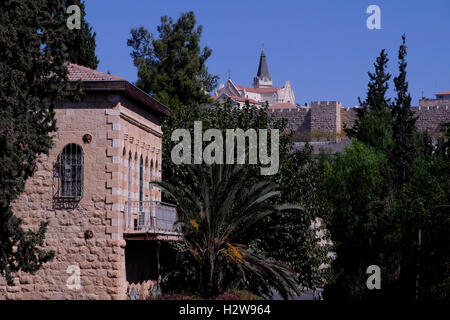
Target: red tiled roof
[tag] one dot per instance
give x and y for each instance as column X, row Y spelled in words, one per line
column 98, row 81
column 443, row 93
column 282, row 106
column 236, row 98
column 259, row 90
column 242, row 99
column 77, row 72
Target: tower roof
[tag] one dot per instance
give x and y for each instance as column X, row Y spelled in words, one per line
column 263, row 70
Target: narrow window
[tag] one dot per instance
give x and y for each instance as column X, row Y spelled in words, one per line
column 151, row 180
column 71, row 163
column 130, row 172
column 141, row 182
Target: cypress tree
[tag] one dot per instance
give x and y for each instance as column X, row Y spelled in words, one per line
column 373, row 122
column 80, row 43
column 403, row 124
column 33, row 78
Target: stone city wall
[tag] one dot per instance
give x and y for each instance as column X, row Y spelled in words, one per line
column 331, row 117
column 430, row 117
column 299, row 118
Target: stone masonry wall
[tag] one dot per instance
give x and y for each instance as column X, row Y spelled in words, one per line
column 329, row 116
column 138, row 139
column 325, row 117
column 136, row 142
column 348, row 117
column 430, row 117
column 299, row 118
column 100, row 259
column 121, row 132
column 425, row 102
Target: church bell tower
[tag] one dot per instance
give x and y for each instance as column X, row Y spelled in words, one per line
column 262, row 79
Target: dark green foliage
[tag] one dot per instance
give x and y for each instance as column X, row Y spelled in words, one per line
column 33, row 78
column 287, row 237
column 172, row 67
column 215, row 213
column 80, row 43
column 373, row 123
column 359, row 224
column 359, row 188
column 403, row 124
column 390, row 200
column 423, row 207
column 443, row 146
column 221, row 117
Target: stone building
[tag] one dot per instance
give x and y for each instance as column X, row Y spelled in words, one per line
column 262, row 91
column 105, row 220
column 443, row 96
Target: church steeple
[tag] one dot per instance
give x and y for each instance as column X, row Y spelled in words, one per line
column 262, row 79
column 263, row 70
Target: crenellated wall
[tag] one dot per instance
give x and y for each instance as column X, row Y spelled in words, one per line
column 331, row 118
column 430, row 117
column 299, row 118
column 325, row 116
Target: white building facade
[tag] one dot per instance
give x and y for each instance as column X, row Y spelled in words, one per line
column 261, row 92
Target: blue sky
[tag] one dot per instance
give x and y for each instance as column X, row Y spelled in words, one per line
column 322, row 47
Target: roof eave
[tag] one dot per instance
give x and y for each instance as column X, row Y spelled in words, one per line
column 128, row 89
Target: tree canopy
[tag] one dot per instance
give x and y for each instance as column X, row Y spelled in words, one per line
column 215, row 212
column 172, row 67
column 389, row 199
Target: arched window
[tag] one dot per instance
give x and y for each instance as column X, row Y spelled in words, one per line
column 71, row 167
column 130, row 173
column 151, row 180
column 141, row 182
column 156, row 176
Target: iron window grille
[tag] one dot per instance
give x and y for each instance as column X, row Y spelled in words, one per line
column 71, row 167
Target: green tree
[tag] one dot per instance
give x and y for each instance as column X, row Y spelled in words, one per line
column 359, row 223
column 401, row 221
column 33, row 78
column 403, row 124
column 371, row 232
column 293, row 237
column 172, row 67
column 423, row 211
column 373, row 122
column 81, row 43
column 214, row 214
column 287, row 237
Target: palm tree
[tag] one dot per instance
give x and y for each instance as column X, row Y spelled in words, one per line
column 214, row 214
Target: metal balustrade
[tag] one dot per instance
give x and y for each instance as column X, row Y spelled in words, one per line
column 151, row 217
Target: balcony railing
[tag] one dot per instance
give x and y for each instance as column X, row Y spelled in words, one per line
column 150, row 217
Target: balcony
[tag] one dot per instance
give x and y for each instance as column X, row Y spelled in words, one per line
column 150, row 220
